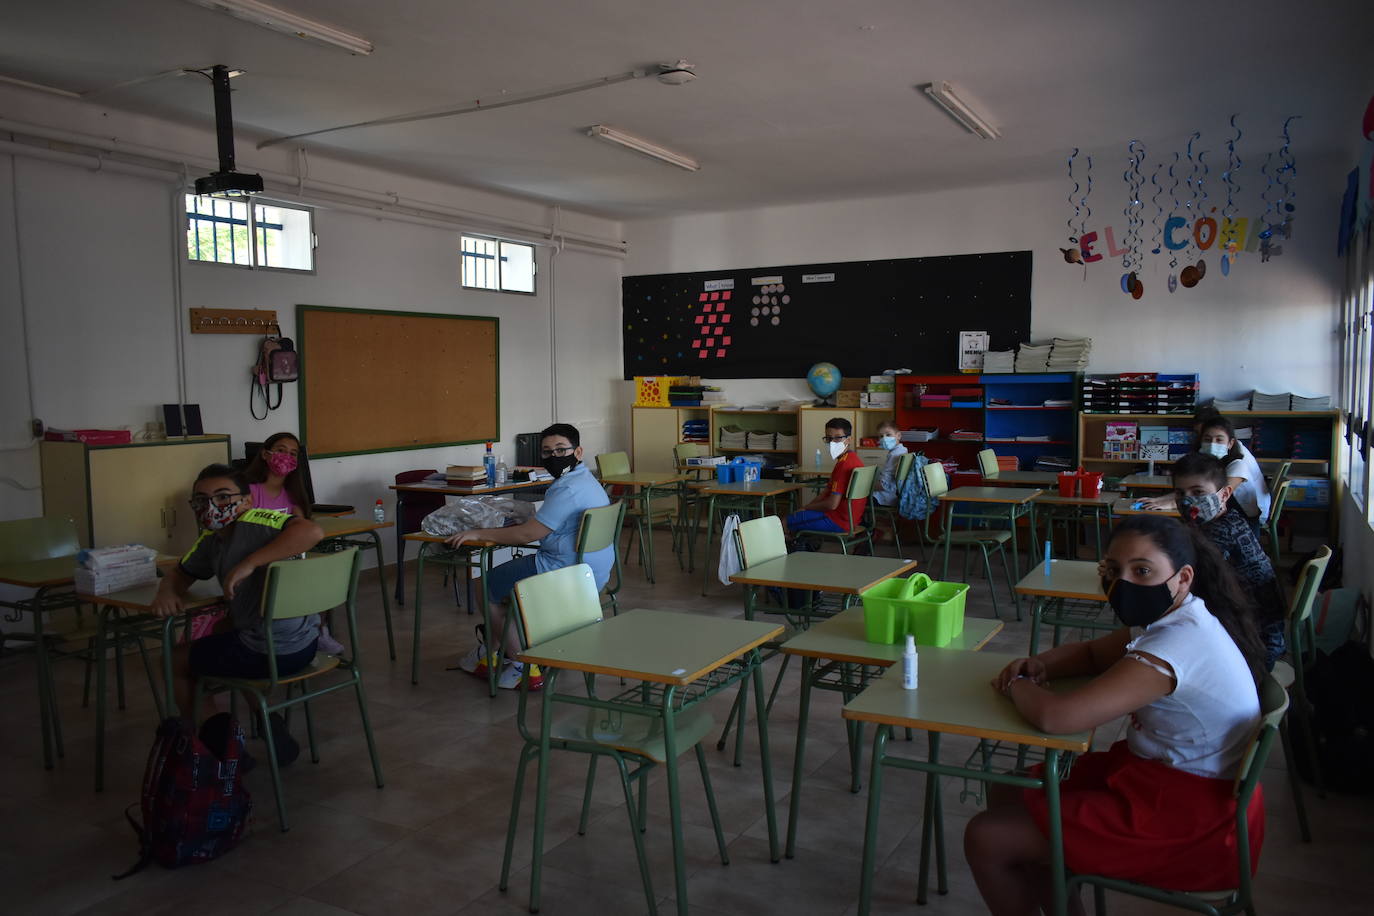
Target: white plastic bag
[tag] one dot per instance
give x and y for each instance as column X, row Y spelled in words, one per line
column 469, row 512
column 729, row 555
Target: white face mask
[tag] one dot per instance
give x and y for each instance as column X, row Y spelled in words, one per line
column 836, row 449
column 1215, row 449
column 888, row 442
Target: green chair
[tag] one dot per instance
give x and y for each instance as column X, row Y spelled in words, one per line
column 1276, row 503
column 599, row 529
column 298, row 588
column 860, row 487
column 1302, row 650
column 892, row 513
column 550, row 605
column 1280, row 474
column 29, row 540
column 987, row 464
column 640, row 508
column 1214, row 902
column 985, row 539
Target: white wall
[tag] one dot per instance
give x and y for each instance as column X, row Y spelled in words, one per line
column 98, row 272
column 1267, row 326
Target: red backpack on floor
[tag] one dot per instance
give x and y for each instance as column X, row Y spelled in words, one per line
column 195, row 806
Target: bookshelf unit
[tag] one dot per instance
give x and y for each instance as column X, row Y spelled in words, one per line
column 766, row 421
column 655, row 430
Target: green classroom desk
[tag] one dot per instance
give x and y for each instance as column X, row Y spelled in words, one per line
column 1133, row 482
column 128, row 614
column 679, row 658
column 1013, row 501
column 342, row 533
column 1123, row 508
column 1076, row 509
column 644, row 483
column 851, row 662
column 955, row 696
column 1068, row 581
column 1022, row 479
column 747, row 497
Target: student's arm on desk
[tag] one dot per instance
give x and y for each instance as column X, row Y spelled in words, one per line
column 515, row 535
column 1160, row 502
column 1121, row 685
column 171, row 593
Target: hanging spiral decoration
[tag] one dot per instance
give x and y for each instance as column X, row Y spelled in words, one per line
column 1135, row 181
column 1087, row 211
column 1173, row 204
column 1288, row 173
column 1073, row 202
column 1233, row 165
column 1157, row 231
column 1271, row 206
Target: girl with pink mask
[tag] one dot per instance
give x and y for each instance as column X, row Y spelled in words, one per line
column 274, row 478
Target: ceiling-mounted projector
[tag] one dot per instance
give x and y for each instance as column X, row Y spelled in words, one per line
column 225, row 181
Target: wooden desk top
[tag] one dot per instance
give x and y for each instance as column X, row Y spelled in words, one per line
column 1148, row 481
column 1124, row 507
column 1076, row 579
column 140, row 598
column 660, row 646
column 1054, row 499
column 745, row 488
column 841, row 639
column 955, row 696
column 1016, row 496
column 824, row 572
column 39, row 573
column 645, row 479
column 447, row 490
column 1023, row 478
column 342, row 527
column 421, row 537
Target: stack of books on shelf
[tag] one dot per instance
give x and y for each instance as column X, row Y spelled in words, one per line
column 966, row 397
column 1261, row 401
column 786, row 441
column 919, row 435
column 1033, row 357
column 1139, row 392
column 1301, row 403
column 1231, row 406
column 732, row 437
column 113, row 569
column 466, row 476
column 1058, row 402
column 696, row 430
column 1069, row 354
column 935, row 400
column 1121, row 442
column 757, row 438
column 694, row 395
column 966, row 435
column 881, row 391
column 1053, row 463
column 999, row 362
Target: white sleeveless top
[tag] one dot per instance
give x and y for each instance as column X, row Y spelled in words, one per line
column 1253, row 494
column 1203, row 727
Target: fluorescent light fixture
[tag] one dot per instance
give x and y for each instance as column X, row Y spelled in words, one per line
column 942, row 94
column 640, row 145
column 288, row 23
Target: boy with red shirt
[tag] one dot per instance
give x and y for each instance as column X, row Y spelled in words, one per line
column 830, row 511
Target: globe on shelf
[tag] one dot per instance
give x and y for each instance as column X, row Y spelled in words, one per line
column 824, row 379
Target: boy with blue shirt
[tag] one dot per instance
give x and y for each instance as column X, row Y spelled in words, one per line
column 554, row 526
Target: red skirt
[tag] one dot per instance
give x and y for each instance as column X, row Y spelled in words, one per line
column 1143, row 820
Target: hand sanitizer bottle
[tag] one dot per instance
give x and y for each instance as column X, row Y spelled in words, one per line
column 909, row 664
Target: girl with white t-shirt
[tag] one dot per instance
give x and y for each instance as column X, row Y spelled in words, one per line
column 1158, row 806
column 1217, row 437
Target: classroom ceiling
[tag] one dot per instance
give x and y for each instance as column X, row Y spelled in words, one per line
column 796, row 100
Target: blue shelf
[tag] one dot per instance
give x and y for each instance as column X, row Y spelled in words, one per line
column 1026, row 414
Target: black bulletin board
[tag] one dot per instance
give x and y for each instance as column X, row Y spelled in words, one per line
column 863, row 316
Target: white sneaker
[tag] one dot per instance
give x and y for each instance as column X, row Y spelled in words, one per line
column 512, row 672
column 477, row 655
column 328, row 644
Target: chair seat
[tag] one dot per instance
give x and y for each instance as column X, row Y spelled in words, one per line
column 858, row 532
column 977, row 537
column 320, row 664
column 634, row 734
column 1284, row 674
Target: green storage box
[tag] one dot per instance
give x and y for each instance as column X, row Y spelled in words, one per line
column 931, row 611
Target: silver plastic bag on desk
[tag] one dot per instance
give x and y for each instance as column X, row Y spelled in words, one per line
column 468, row 512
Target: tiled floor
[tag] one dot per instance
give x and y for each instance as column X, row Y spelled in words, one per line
column 430, row 842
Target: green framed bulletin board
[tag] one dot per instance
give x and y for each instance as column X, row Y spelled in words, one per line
column 375, row 380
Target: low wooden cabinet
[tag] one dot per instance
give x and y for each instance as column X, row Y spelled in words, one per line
column 128, row 494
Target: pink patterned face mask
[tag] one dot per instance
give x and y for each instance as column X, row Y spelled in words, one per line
column 280, row 463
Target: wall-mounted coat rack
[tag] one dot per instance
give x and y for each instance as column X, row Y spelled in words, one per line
column 234, row 321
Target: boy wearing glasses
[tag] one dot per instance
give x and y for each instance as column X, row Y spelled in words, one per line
column 236, row 544
column 830, row 510
column 554, row 526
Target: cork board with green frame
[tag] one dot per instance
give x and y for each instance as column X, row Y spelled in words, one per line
column 376, row 380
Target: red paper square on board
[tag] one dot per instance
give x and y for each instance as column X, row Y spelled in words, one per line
column 702, row 354
column 710, row 319
column 715, row 297
column 725, row 295
column 726, row 341
column 700, row 319
column 720, row 353
column 696, row 343
column 725, row 319
column 704, row 297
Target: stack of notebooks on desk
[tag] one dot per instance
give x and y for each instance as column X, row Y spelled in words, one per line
column 470, row 476
column 113, row 569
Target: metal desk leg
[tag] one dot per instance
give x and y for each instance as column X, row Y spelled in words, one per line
column 674, row 799
column 100, row 651
column 46, row 711
column 1057, row 879
column 803, row 715
column 765, row 758
column 496, row 652
column 949, row 523
column 710, row 533
column 400, row 552
column 541, row 793
column 386, row 605
column 928, row 825
column 875, row 798
column 1037, row 612
column 415, row 638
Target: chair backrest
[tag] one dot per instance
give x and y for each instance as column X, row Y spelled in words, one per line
column 987, row 463
column 936, row 482
column 296, row 588
column 684, row 450
column 904, row 465
column 611, row 463
column 599, row 528
column 1281, row 474
column 760, row 540
column 1276, row 502
column 1273, row 706
column 26, row 539
column 416, row 506
column 1305, row 595
column 557, row 602
column 860, row 487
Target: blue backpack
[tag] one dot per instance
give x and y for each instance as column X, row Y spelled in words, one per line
column 914, row 500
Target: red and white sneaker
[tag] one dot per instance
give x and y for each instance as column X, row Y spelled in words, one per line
column 512, row 672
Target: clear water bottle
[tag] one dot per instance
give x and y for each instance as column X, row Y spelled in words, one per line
column 379, row 512
column 818, row 459
column 502, row 472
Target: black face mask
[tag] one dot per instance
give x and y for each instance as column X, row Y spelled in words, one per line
column 558, row 465
column 1139, row 605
